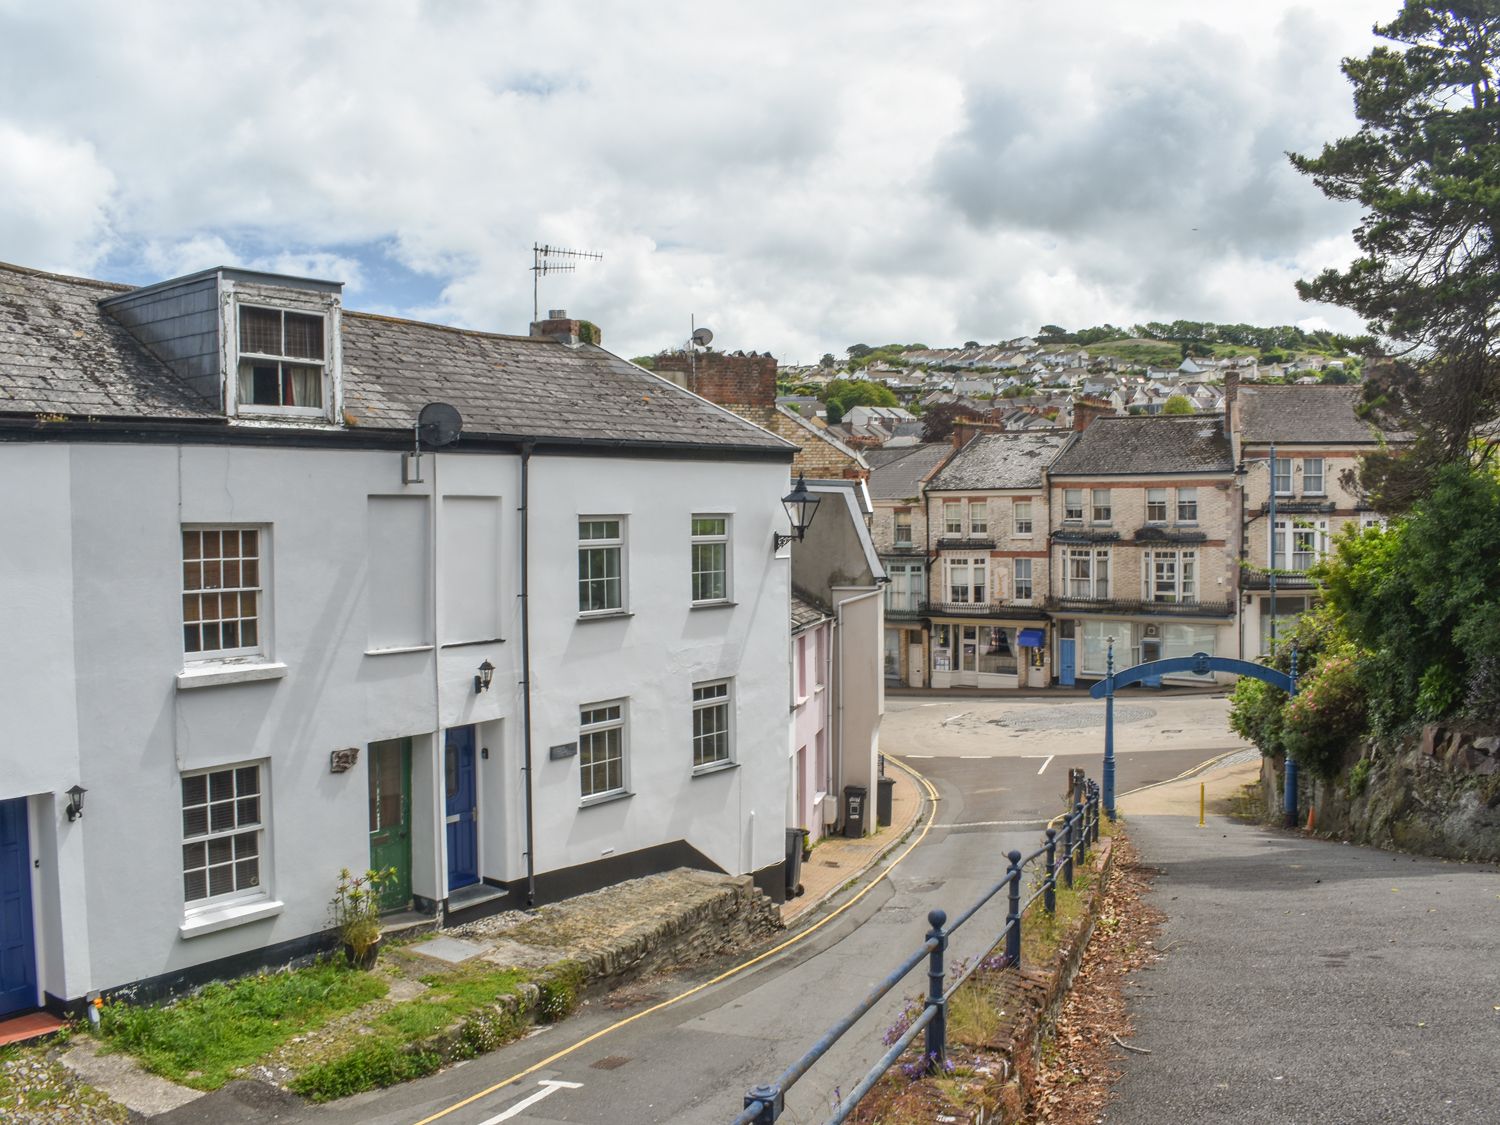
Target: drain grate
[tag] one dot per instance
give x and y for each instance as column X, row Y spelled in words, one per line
column 609, row 1062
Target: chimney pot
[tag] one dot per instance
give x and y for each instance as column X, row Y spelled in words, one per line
column 557, row 314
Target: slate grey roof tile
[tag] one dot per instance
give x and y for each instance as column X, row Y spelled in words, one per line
column 897, row 474
column 1141, row 444
column 1293, row 413
column 61, row 354
column 1004, row 460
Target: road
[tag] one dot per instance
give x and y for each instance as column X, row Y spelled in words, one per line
column 1000, row 769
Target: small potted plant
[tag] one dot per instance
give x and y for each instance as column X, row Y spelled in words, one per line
column 355, row 910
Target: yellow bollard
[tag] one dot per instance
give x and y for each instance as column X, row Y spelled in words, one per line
column 1200, row 804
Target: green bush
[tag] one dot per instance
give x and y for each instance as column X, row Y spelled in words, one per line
column 369, row 1066
column 1327, row 714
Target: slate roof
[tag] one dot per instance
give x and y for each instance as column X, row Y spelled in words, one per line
column 1291, row 413
column 1115, row 445
column 524, row 386
column 897, row 474
column 805, row 614
column 1004, row 460
column 61, row 354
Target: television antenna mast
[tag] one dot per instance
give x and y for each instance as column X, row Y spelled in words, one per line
column 542, row 262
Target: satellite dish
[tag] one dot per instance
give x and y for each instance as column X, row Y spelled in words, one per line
column 439, row 424
column 703, row 337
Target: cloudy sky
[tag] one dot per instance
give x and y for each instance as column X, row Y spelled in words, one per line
column 799, row 176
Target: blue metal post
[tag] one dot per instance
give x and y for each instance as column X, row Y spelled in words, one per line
column 937, row 1047
column 1289, row 782
column 770, row 1101
column 1109, row 731
column 1068, row 822
column 1013, row 917
column 1049, row 896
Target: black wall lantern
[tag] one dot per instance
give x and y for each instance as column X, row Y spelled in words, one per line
column 482, row 680
column 801, row 505
column 75, row 802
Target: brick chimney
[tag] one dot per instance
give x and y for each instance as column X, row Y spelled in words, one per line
column 1085, row 410
column 565, row 330
column 745, row 384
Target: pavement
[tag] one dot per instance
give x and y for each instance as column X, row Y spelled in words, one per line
column 1306, row 981
column 835, row 860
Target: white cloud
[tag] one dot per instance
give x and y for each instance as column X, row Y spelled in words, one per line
column 799, row 176
column 55, row 200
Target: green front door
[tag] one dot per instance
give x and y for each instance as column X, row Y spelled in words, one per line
column 390, row 818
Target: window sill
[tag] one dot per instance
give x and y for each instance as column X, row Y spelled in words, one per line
column 721, row 604
column 218, row 918
column 717, row 767
column 466, row 644
column 213, row 675
column 608, row 615
column 397, row 650
column 605, row 799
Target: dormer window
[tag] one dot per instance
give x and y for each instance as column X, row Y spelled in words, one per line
column 282, row 362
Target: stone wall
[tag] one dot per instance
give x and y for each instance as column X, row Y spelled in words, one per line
column 1437, row 793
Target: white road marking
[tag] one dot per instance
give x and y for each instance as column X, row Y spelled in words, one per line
column 916, row 755
column 1045, row 764
column 951, row 718
column 548, row 1088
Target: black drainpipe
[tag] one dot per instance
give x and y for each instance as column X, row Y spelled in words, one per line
column 526, row 672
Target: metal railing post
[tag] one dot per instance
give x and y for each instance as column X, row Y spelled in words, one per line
column 1013, row 917
column 1098, row 818
column 937, row 1047
column 1049, row 896
column 771, row 1103
column 1068, row 850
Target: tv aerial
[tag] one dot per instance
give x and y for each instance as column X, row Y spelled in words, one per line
column 438, row 424
column 542, row 262
column 697, row 338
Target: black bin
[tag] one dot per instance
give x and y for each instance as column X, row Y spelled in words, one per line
column 856, row 810
column 793, row 862
column 883, row 797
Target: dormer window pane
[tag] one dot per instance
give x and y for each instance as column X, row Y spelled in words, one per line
column 282, row 344
column 260, row 331
column 304, row 336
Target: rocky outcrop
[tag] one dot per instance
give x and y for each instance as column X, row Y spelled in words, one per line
column 1437, row 792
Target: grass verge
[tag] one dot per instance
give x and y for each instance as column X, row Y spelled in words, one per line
column 205, row 1039
column 463, row 1013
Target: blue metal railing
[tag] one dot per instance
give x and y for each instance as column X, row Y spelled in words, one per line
column 1080, row 827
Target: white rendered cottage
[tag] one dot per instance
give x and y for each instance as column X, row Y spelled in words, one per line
column 265, row 641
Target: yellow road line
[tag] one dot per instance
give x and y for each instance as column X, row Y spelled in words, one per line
column 932, row 796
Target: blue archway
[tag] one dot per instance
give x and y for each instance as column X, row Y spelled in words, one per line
column 1200, row 663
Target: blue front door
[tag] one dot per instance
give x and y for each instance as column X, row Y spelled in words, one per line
column 1066, row 661
column 17, row 949
column 462, row 809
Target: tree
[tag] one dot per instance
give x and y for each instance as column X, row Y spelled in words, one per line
column 1425, row 164
column 938, row 422
column 834, row 412
column 858, row 392
column 1177, row 404
column 826, row 363
column 971, row 343
column 855, row 351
